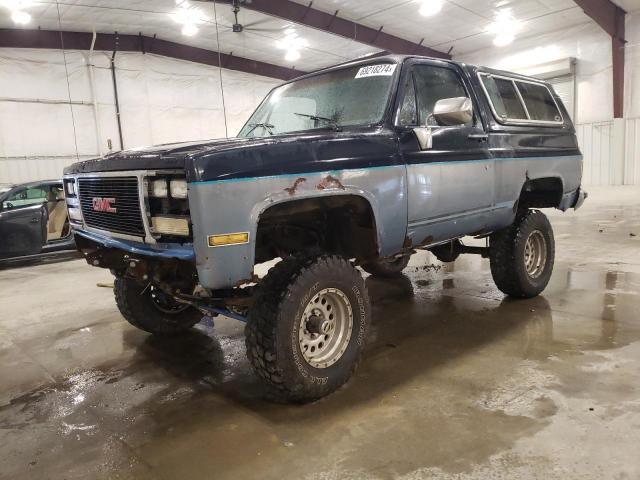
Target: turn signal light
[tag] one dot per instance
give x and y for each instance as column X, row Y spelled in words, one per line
column 228, row 239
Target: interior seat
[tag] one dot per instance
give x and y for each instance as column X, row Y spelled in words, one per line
column 57, row 214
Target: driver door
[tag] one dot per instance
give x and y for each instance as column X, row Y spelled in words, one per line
column 451, row 183
column 23, row 222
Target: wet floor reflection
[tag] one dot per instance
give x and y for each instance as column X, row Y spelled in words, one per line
column 442, row 344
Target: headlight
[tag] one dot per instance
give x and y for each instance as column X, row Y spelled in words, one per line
column 159, row 188
column 170, row 226
column 178, row 188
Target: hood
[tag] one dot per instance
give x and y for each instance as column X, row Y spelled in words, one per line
column 230, row 158
column 168, row 156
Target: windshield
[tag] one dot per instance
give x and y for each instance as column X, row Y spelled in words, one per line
column 351, row 96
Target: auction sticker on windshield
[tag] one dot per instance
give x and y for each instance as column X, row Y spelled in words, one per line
column 384, row 70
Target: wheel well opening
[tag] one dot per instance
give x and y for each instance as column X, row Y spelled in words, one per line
column 541, row 193
column 343, row 225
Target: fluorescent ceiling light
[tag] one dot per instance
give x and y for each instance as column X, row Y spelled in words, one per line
column 431, row 7
column 21, row 18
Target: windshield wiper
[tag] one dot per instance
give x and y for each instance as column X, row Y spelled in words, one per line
column 317, row 118
column 267, row 126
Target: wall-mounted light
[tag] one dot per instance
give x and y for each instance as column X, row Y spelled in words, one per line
column 429, row 8
column 505, row 27
column 292, row 44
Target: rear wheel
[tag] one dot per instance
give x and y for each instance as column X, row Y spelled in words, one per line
column 152, row 310
column 522, row 255
column 307, row 329
column 386, row 267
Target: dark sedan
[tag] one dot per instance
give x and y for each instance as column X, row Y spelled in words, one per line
column 34, row 219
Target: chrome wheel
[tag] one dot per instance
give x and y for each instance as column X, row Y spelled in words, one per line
column 325, row 328
column 535, row 254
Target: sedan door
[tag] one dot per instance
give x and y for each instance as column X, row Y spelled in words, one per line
column 450, row 182
column 22, row 222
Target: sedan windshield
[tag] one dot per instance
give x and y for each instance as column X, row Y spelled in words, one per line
column 348, row 97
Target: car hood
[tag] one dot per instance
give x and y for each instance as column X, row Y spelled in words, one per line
column 231, row 158
column 168, row 156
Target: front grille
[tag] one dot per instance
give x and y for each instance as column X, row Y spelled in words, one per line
column 127, row 218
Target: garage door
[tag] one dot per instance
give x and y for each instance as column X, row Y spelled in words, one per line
column 565, row 88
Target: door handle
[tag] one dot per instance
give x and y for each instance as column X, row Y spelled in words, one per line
column 482, row 137
column 34, row 220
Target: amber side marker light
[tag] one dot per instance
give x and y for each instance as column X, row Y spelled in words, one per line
column 228, row 239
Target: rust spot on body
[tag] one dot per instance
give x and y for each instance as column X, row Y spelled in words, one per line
column 330, row 182
column 427, row 240
column 292, row 190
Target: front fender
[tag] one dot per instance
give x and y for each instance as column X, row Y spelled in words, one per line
column 235, row 206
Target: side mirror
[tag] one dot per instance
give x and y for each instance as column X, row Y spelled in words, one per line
column 453, row 111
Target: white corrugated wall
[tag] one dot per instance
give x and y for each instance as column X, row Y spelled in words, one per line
column 611, row 152
column 161, row 100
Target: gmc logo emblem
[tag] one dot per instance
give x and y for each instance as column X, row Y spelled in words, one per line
column 104, row 204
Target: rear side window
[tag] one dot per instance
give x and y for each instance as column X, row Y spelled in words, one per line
column 504, row 97
column 540, row 104
column 519, row 101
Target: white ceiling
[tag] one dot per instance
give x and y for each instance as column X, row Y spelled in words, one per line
column 462, row 24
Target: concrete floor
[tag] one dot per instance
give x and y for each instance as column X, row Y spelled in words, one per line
column 457, row 381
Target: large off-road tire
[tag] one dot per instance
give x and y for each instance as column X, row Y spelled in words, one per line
column 386, row 268
column 151, row 310
column 307, row 329
column 521, row 256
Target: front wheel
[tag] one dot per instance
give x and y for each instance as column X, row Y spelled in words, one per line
column 308, row 326
column 522, row 255
column 150, row 309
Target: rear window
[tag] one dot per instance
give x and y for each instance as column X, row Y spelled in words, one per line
column 520, row 101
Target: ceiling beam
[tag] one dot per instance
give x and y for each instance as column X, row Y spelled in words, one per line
column 332, row 23
column 611, row 18
column 52, row 39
